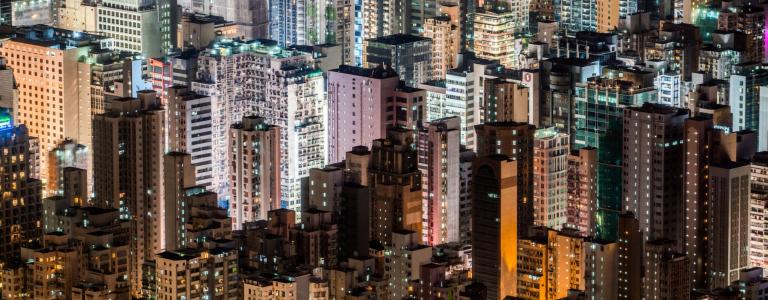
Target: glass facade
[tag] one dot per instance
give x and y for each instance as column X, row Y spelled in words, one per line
column 599, row 112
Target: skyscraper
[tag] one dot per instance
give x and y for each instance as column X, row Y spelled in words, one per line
column 22, row 192
column 408, row 55
column 494, row 30
column 133, row 25
column 652, row 172
column 729, row 223
column 599, row 111
column 128, row 166
column 254, row 158
column 550, row 178
column 514, row 140
column 189, row 130
column 357, row 101
column 582, row 190
column 494, row 224
column 53, row 108
column 395, row 183
column 438, row 154
column 293, row 100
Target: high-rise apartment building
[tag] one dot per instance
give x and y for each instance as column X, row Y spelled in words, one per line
column 750, row 20
column 565, row 263
column 409, row 55
column 292, row 100
column 168, row 71
column 128, row 166
column 461, row 101
column 189, row 130
column 198, row 274
column 403, row 262
column 254, row 158
column 495, row 224
column 438, row 153
column 550, row 178
column 466, row 157
column 53, row 108
column 505, row 100
column 494, row 33
column 675, row 50
column 630, row 277
column 582, row 190
column 395, row 184
column 251, row 16
column 514, row 140
column 666, row 275
column 191, row 214
column 446, row 44
column 21, row 192
column 758, row 211
column 357, row 102
column 652, row 173
column 601, row 269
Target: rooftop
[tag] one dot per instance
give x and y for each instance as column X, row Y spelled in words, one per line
column 399, row 39
column 379, row 72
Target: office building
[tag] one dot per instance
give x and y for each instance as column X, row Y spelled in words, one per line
column 514, row 140
column 599, row 130
column 495, row 224
column 133, row 25
column 729, row 225
column 53, row 108
column 409, row 56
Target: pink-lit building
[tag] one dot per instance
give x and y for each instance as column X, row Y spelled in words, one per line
column 582, row 190
column 438, row 162
column 357, row 99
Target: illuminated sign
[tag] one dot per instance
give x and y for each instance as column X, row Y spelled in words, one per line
column 6, row 122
